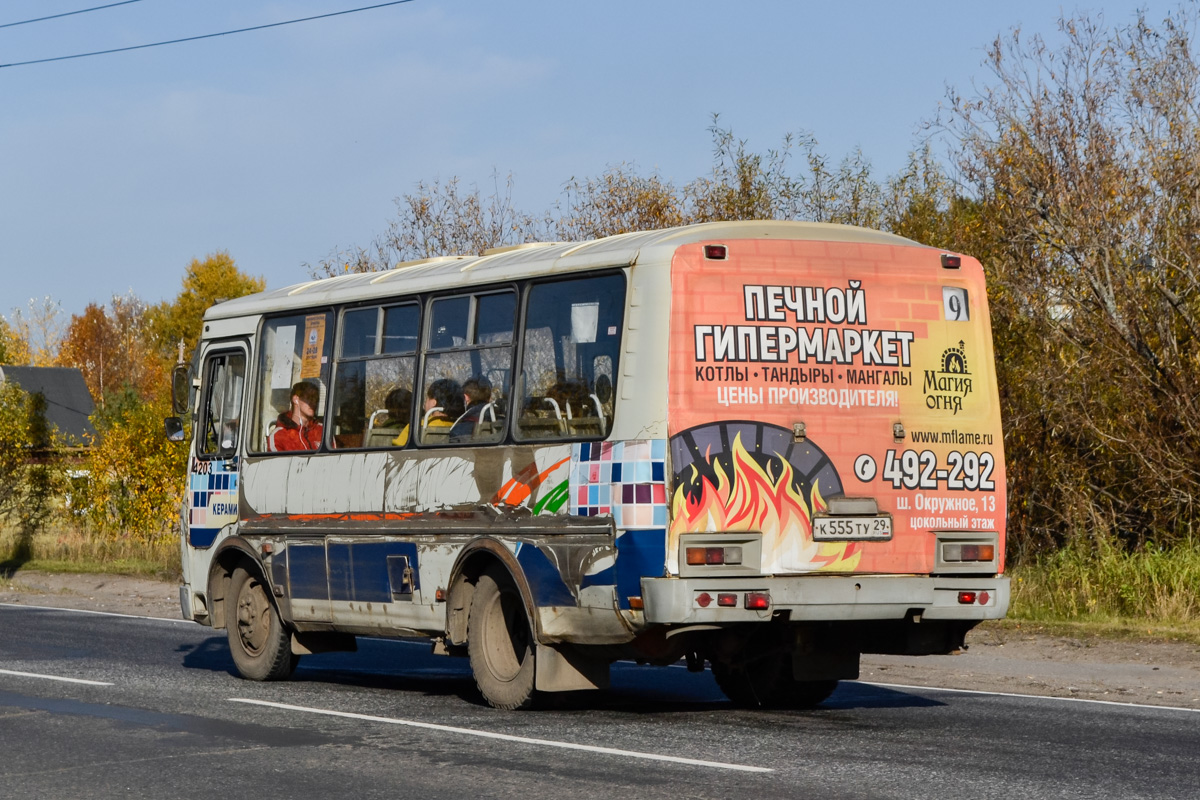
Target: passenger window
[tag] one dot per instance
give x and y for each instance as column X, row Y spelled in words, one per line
column 572, row 344
column 221, row 413
column 294, row 365
column 373, row 383
column 468, row 369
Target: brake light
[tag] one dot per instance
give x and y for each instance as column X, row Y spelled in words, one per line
column 951, row 262
column 715, row 252
column 758, row 601
column 966, row 598
column 728, row 600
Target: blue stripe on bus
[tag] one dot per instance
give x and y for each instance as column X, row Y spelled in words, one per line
column 640, row 554
column 544, row 579
column 202, row 537
column 359, row 572
column 306, row 570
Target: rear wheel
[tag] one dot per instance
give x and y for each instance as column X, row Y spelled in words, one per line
column 500, row 642
column 766, row 682
column 260, row 645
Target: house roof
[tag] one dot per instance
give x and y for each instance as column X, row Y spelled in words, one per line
column 68, row 403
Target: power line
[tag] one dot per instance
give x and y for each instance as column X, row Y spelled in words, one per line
column 68, row 13
column 204, row 36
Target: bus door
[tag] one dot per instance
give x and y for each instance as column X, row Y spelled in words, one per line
column 212, row 498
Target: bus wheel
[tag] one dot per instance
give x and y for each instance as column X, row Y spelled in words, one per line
column 500, row 642
column 259, row 643
column 768, row 683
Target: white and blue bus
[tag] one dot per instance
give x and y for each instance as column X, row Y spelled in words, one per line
column 768, row 447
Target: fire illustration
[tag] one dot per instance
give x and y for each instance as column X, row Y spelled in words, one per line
column 755, row 497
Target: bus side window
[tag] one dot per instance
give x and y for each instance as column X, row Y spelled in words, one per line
column 373, row 383
column 572, row 342
column 221, row 412
column 293, row 348
column 468, row 369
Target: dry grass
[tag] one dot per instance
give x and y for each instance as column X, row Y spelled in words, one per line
column 1102, row 585
column 73, row 549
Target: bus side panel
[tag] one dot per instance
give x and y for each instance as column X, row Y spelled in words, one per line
column 791, row 364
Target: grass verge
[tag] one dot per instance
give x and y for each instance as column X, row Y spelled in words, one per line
column 74, row 550
column 1097, row 588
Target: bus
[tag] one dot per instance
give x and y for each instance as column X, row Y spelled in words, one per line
column 763, row 448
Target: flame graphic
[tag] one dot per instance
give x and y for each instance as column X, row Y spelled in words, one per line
column 751, row 499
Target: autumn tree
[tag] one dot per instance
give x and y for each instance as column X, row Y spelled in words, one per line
column 1084, row 161
column 205, row 283
column 13, row 349
column 114, row 347
column 39, row 326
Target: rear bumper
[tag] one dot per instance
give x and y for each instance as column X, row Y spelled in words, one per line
column 826, row 598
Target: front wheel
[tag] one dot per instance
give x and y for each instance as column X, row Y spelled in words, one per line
column 500, row 642
column 260, row 645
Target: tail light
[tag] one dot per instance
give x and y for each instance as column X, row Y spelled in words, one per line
column 968, row 552
column 758, row 601
column 712, row 556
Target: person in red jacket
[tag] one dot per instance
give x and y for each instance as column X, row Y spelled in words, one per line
column 297, row 428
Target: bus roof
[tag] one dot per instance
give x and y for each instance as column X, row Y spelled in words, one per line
column 533, row 259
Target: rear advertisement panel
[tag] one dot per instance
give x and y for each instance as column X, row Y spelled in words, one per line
column 807, row 371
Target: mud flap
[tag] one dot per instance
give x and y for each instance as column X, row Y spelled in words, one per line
column 565, row 670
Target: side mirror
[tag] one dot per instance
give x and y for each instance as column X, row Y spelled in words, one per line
column 174, row 429
column 181, row 389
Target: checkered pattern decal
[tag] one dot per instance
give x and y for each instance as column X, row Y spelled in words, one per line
column 625, row 479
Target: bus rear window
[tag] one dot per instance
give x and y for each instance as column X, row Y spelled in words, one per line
column 572, row 345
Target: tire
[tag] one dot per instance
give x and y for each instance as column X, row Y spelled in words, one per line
column 767, row 682
column 500, row 642
column 260, row 645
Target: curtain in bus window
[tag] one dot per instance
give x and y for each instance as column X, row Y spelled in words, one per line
column 222, row 413
column 293, row 349
column 373, row 382
column 468, row 369
column 572, row 342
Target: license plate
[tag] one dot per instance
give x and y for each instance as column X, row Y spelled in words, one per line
column 840, row 529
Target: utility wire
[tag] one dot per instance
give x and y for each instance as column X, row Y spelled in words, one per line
column 68, row 13
column 204, row 36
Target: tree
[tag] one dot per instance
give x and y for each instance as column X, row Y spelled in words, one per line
column 1083, row 161
column 29, row 470
column 205, row 283
column 39, row 326
column 13, row 349
column 114, row 349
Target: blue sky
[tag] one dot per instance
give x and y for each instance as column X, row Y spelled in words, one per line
column 280, row 145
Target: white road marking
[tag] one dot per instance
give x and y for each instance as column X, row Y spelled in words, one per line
column 52, row 677
column 1030, row 696
column 97, row 613
column 506, row 737
column 631, row 664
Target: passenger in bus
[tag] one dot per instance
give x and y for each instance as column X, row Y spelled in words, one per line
column 399, row 407
column 297, row 428
column 444, row 395
column 477, row 393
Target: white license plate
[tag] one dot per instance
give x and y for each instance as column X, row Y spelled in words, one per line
column 839, row 529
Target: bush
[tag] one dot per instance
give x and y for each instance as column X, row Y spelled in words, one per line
column 137, row 476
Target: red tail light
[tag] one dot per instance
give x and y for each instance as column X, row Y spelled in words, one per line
column 758, row 601
column 966, row 598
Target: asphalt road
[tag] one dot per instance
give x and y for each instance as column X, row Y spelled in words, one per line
column 162, row 715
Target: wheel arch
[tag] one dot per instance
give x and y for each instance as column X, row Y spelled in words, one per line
column 232, row 553
column 474, row 559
